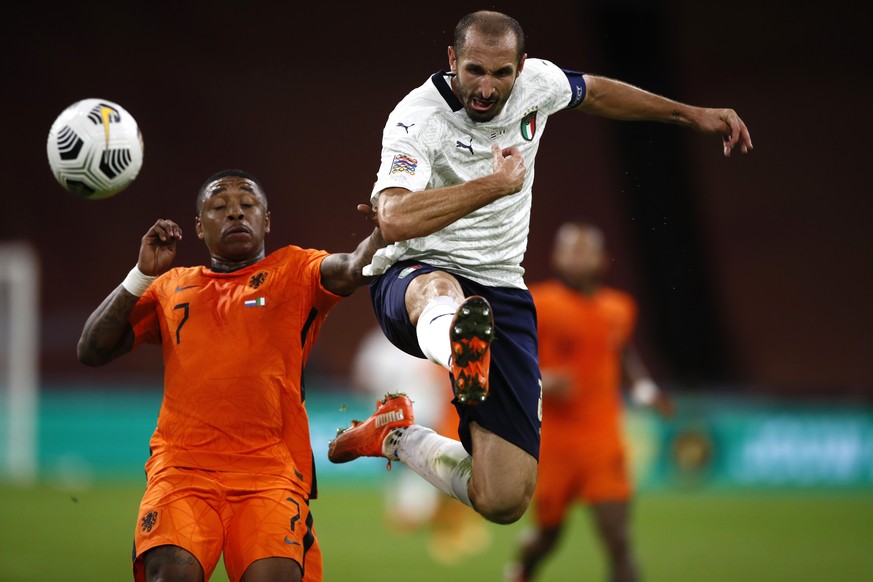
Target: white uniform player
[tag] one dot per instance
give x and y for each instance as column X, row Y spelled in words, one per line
column 429, row 142
column 453, row 193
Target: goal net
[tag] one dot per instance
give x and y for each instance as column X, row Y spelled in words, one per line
column 19, row 360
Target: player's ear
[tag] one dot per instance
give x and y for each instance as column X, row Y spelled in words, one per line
column 198, row 228
column 453, row 60
column 267, row 222
column 521, row 64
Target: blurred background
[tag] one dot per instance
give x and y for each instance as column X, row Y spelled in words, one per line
column 754, row 274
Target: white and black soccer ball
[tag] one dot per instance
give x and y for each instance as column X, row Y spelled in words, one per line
column 95, row 148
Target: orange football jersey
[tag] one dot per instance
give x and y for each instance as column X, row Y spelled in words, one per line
column 234, row 347
column 583, row 337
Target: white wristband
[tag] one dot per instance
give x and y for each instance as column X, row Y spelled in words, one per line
column 136, row 283
column 644, row 392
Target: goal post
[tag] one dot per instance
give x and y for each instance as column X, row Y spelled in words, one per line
column 19, row 361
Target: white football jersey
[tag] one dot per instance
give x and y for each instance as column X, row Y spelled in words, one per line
column 430, row 142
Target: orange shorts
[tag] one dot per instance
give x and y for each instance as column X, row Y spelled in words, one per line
column 565, row 477
column 247, row 517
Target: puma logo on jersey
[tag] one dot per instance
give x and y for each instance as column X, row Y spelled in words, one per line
column 406, row 127
column 385, row 418
column 466, row 146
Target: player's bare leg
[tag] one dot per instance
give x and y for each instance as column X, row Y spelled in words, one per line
column 536, row 545
column 437, row 307
column 613, row 524
column 425, row 288
column 431, row 301
column 497, row 480
column 270, row 569
column 171, row 563
column 504, row 477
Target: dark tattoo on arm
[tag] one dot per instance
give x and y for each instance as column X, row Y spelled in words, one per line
column 107, row 333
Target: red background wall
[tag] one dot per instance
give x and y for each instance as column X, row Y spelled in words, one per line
column 298, row 96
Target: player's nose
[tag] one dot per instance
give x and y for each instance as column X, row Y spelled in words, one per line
column 486, row 88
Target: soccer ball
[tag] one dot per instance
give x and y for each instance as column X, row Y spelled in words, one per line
column 95, row 148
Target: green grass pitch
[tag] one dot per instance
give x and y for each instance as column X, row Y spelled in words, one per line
column 47, row 533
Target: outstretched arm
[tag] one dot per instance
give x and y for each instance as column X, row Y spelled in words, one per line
column 107, row 333
column 618, row 100
column 341, row 273
column 404, row 215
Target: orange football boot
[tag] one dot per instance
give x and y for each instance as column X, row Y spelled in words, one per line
column 471, row 334
column 366, row 439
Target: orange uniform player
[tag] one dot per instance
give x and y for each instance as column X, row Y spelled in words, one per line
column 581, row 453
column 585, row 355
column 231, row 469
column 274, row 310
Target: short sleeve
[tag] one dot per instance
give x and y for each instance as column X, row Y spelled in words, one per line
column 144, row 319
column 559, row 88
column 404, row 164
column 322, row 299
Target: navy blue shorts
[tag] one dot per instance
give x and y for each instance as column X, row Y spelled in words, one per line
column 512, row 410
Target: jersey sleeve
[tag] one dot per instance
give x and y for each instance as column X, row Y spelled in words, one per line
column 630, row 309
column 624, row 309
column 564, row 88
column 144, row 318
column 404, row 163
column 406, row 158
